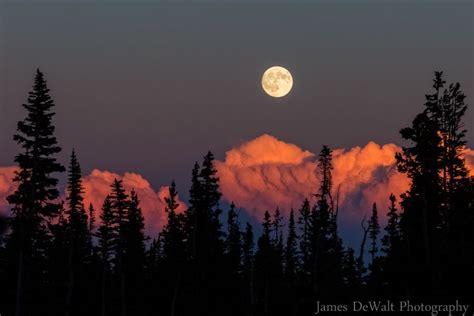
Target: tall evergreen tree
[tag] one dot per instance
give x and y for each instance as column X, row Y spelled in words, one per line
column 305, row 244
column 374, row 230
column 120, row 207
column 326, row 246
column 77, row 231
column 173, row 233
column 91, row 229
column 248, row 267
column 174, row 245
column 351, row 273
column 134, row 236
column 204, row 228
column 204, row 234
column 392, row 230
column 291, row 258
column 34, row 201
column 107, row 239
column 437, row 207
column 278, row 236
column 233, row 240
column 248, row 249
column 134, row 255
column 266, row 268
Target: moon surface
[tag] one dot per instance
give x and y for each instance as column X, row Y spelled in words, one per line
column 277, row 81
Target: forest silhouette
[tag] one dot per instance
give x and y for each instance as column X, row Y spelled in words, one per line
column 56, row 260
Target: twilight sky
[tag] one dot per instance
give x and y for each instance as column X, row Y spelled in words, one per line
column 150, row 86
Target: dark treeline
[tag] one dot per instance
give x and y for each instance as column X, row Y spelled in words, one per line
column 56, row 260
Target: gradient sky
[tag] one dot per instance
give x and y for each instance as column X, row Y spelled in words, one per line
column 149, row 87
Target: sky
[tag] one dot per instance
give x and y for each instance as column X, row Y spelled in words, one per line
column 148, row 87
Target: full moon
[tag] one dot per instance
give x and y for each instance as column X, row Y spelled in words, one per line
column 277, row 81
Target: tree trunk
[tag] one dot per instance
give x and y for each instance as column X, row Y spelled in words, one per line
column 70, row 287
column 123, row 303
column 19, row 284
column 103, row 301
column 175, row 296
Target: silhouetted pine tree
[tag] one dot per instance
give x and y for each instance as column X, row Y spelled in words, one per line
column 391, row 243
column 375, row 280
column 291, row 263
column 77, row 235
column 291, row 258
column 278, row 236
column 203, row 231
column 248, row 248
column 248, row 269
column 91, row 229
column 392, row 235
column 120, row 206
column 351, row 274
column 173, row 234
column 305, row 242
column 153, row 255
column 266, row 266
column 134, row 236
column 437, row 209
column 374, row 230
column 173, row 248
column 134, row 254
column 326, row 246
column 58, row 263
column 107, row 239
column 34, row 201
column 422, row 203
column 233, row 241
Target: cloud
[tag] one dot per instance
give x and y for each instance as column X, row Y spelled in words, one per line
column 7, row 187
column 266, row 172
column 263, row 173
column 97, row 186
column 468, row 155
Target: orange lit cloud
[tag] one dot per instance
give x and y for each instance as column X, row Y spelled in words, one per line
column 263, row 173
column 97, row 186
column 7, row 187
column 468, row 155
column 266, row 172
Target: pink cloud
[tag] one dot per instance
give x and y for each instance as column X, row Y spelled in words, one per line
column 263, row 173
column 266, row 172
column 97, row 186
column 7, row 187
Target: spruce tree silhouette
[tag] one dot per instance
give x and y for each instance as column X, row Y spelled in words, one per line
column 305, row 243
column 120, row 204
column 437, row 208
column 391, row 248
column 134, row 255
column 107, row 239
column 374, row 230
column 204, row 235
column 248, row 269
column 266, row 265
column 173, row 248
column 325, row 242
column 34, row 202
column 291, row 258
column 77, row 234
column 233, row 241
